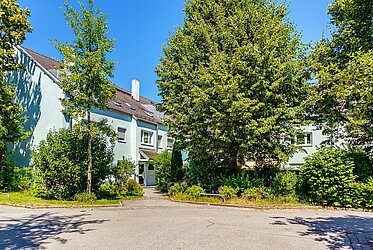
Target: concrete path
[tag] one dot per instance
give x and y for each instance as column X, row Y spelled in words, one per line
column 157, row 223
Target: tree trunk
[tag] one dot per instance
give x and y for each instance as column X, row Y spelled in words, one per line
column 89, row 177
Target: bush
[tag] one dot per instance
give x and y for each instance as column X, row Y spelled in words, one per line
column 363, row 164
column 61, row 163
column 195, row 191
column 177, row 170
column 123, row 171
column 255, row 193
column 133, row 188
column 227, row 192
column 177, row 188
column 241, row 181
column 162, row 166
column 7, row 175
column 85, row 197
column 108, row 191
column 23, row 180
column 284, row 183
column 326, row 177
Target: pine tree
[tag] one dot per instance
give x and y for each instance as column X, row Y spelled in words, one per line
column 233, row 81
column 87, row 71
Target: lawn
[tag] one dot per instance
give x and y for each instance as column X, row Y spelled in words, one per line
column 269, row 202
column 25, row 199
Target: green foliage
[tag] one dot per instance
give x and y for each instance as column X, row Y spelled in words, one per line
column 109, row 191
column 133, row 188
column 60, row 163
column 124, row 171
column 85, row 197
column 177, row 188
column 162, row 166
column 14, row 25
column 255, row 193
column 232, row 80
column 284, row 183
column 177, row 170
column 342, row 65
column 241, row 181
column 87, row 71
column 7, row 175
column 326, row 176
column 363, row 164
column 194, row 191
column 227, row 192
column 23, row 179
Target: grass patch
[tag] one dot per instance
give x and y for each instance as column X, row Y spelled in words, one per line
column 268, row 202
column 26, row 199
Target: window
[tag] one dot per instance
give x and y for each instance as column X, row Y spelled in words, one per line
column 146, row 137
column 159, row 141
column 170, row 143
column 151, row 167
column 121, row 134
column 304, row 139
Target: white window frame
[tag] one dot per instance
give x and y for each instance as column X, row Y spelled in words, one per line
column 159, row 141
column 306, row 142
column 125, row 135
column 173, row 142
column 143, row 137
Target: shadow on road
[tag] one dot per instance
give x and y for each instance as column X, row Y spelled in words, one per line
column 334, row 231
column 30, row 232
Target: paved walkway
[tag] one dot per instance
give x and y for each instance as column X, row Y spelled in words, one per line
column 157, row 223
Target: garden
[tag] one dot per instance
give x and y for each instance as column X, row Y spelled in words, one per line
column 59, row 174
column 330, row 177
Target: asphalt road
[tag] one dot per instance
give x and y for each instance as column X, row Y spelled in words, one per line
column 156, row 223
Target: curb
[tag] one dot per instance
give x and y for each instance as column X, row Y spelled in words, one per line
column 274, row 207
column 43, row 207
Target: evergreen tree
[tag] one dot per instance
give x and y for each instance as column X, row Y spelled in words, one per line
column 233, row 82
column 343, row 97
column 14, row 25
column 177, row 164
column 87, row 71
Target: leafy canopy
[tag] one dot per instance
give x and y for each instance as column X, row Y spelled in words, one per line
column 14, row 25
column 232, row 80
column 343, row 64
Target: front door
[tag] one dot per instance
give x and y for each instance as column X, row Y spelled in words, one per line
column 150, row 175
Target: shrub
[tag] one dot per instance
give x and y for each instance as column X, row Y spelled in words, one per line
column 195, row 191
column 123, row 171
column 133, row 188
column 255, row 193
column 23, row 180
column 326, row 177
column 284, row 183
column 363, row 164
column 162, row 166
column 7, row 175
column 177, row 188
column 241, row 181
column 61, row 163
column 108, row 191
column 227, row 192
column 85, row 197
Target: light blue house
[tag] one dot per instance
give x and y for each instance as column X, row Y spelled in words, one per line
column 140, row 130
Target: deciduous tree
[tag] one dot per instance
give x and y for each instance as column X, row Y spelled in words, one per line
column 342, row 64
column 232, row 81
column 87, row 71
column 14, row 25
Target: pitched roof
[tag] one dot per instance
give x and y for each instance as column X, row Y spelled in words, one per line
column 122, row 102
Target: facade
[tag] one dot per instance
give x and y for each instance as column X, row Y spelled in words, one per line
column 139, row 126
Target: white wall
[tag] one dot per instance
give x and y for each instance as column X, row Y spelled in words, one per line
column 39, row 97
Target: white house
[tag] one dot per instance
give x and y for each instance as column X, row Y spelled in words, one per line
column 140, row 130
column 139, row 126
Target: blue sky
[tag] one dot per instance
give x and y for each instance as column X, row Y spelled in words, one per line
column 141, row 27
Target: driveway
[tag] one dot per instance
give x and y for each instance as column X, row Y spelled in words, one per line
column 157, row 223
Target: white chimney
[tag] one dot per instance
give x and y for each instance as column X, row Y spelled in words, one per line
column 135, row 90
